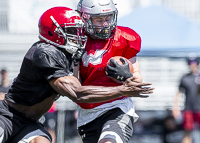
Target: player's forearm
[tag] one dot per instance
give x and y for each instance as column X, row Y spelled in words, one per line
column 136, row 72
column 138, row 76
column 70, row 86
column 92, row 94
column 176, row 100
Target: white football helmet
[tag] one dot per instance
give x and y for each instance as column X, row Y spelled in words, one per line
column 93, row 8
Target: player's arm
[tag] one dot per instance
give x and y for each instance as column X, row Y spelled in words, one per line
column 175, row 109
column 71, row 87
column 136, row 72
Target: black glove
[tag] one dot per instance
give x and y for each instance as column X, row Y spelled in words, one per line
column 119, row 72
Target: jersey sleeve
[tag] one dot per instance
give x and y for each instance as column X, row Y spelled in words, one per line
column 51, row 63
column 132, row 41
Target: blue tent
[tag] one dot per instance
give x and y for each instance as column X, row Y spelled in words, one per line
column 163, row 32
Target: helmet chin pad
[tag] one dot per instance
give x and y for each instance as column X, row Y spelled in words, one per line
column 102, row 33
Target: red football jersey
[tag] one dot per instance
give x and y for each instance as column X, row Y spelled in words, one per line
column 126, row 43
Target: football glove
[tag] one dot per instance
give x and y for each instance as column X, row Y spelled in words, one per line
column 119, row 72
column 77, row 56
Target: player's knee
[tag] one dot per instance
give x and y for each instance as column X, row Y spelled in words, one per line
column 110, row 137
column 40, row 139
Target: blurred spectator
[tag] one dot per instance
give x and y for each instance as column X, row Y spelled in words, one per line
column 172, row 131
column 189, row 85
column 5, row 84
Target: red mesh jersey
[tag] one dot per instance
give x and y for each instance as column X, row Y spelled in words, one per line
column 126, row 43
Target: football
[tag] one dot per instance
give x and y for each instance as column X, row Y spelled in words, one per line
column 117, row 59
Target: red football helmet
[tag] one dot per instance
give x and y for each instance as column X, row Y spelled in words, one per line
column 62, row 27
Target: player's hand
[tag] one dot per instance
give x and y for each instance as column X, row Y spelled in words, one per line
column 134, row 89
column 77, row 56
column 119, row 72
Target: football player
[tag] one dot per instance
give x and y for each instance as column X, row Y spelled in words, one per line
column 110, row 121
column 47, row 72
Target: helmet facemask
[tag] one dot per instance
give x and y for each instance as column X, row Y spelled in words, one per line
column 100, row 32
column 75, row 41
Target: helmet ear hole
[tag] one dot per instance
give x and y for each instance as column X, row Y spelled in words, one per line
column 50, row 34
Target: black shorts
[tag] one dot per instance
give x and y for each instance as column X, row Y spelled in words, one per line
column 17, row 127
column 113, row 124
